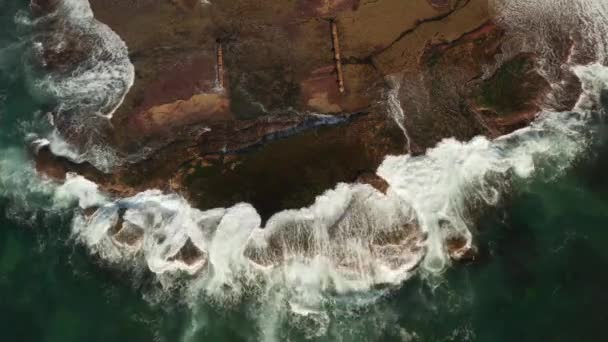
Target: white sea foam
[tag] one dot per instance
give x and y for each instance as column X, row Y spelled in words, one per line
column 551, row 29
column 441, row 184
column 337, row 242
column 395, row 110
column 102, row 74
column 341, row 233
column 78, row 188
column 88, row 80
column 102, row 157
column 27, row 192
column 17, row 174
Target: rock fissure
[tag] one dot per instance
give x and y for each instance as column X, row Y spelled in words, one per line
column 460, row 5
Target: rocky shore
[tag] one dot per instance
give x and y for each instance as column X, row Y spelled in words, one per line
column 214, row 80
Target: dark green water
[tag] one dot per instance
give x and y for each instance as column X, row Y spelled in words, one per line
column 542, row 272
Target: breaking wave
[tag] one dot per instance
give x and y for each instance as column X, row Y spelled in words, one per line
column 353, row 239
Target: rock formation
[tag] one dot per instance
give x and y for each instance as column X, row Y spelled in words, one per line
column 196, row 118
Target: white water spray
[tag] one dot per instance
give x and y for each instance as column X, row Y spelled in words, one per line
column 395, row 110
column 83, row 66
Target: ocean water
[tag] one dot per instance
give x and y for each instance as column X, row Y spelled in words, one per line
column 540, row 274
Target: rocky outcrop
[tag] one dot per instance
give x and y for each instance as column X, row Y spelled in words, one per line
column 277, row 57
column 179, row 130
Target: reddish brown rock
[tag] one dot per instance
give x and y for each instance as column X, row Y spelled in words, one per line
column 49, row 165
column 278, row 59
column 320, row 92
column 202, row 108
column 458, row 250
column 88, row 212
column 130, row 235
column 275, row 60
column 189, row 254
column 187, row 76
column 511, row 97
column 375, row 181
column 403, row 246
column 434, row 96
column 125, row 233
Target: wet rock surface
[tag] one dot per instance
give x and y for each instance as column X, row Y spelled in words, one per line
column 190, row 254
